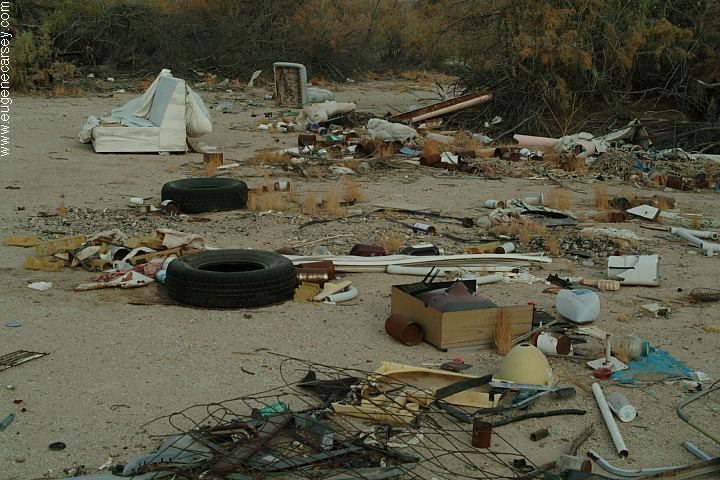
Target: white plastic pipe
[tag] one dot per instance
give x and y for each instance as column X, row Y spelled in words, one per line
column 423, row 271
column 609, row 421
column 710, row 248
column 348, row 294
column 696, row 233
column 687, row 236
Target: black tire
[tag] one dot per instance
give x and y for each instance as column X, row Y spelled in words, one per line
column 197, row 195
column 231, row 278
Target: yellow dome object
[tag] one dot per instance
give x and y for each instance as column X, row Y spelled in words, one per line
column 525, row 364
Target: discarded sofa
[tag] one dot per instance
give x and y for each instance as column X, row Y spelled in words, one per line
column 161, row 120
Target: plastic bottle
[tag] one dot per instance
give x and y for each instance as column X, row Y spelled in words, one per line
column 629, row 347
column 578, row 305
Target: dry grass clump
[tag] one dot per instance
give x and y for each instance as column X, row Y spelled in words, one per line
column 552, row 245
column 310, row 205
column 331, row 203
column 392, row 242
column 352, row 191
column 262, row 201
column 60, row 90
column 502, row 335
column 430, row 147
column 557, row 198
column 270, row 157
column 664, row 202
column 61, row 210
column 386, row 150
column 465, row 141
column 601, row 198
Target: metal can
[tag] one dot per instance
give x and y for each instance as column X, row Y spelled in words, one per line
column 423, row 227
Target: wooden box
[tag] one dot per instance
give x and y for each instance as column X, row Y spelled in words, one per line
column 457, row 329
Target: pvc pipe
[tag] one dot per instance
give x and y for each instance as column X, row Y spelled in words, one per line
column 710, row 248
column 423, row 271
column 687, row 236
column 348, row 294
column 532, row 141
column 696, row 233
column 627, row 472
column 485, row 279
column 690, row 447
column 453, row 108
column 609, row 421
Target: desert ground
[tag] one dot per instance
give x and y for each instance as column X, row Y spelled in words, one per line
column 120, row 358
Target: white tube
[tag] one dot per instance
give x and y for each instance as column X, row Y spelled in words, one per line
column 609, row 421
column 485, row 279
column 696, row 233
column 348, row 294
column 710, row 247
column 423, row 271
column 687, row 236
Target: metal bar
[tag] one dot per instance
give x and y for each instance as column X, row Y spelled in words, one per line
column 690, row 447
column 627, row 472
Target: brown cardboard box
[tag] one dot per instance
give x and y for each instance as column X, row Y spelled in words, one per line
column 457, row 329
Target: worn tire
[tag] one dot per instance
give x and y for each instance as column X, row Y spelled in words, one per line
column 196, row 195
column 231, row 278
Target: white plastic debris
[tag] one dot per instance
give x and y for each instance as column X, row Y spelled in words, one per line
column 41, row 286
column 380, row 129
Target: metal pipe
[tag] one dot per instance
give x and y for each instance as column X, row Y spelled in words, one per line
column 609, row 421
column 690, row 447
column 696, row 233
column 686, row 419
column 626, row 472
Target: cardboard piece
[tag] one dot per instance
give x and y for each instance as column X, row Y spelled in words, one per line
column 457, row 329
column 60, row 245
column 20, row 241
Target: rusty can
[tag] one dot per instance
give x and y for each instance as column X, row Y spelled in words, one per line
column 312, row 275
column 675, row 182
column 364, row 250
column 551, row 342
column 430, row 160
column 468, row 153
column 281, row 185
column 326, row 265
column 305, row 139
column 403, row 329
column 569, row 462
column 170, row 207
column 423, row 227
column 539, row 434
column 481, row 434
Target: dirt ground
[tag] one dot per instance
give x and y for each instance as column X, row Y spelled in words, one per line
column 117, row 360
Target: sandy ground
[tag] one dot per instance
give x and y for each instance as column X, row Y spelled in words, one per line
column 114, row 366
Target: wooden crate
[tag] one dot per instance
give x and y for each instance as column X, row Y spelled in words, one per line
column 458, row 329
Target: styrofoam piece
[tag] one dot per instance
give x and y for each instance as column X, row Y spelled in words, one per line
column 644, row 211
column 635, row 269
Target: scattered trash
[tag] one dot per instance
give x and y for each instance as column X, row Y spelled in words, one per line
column 57, row 446
column 40, row 286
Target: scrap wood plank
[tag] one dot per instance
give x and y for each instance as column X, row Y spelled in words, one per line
column 66, row 244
